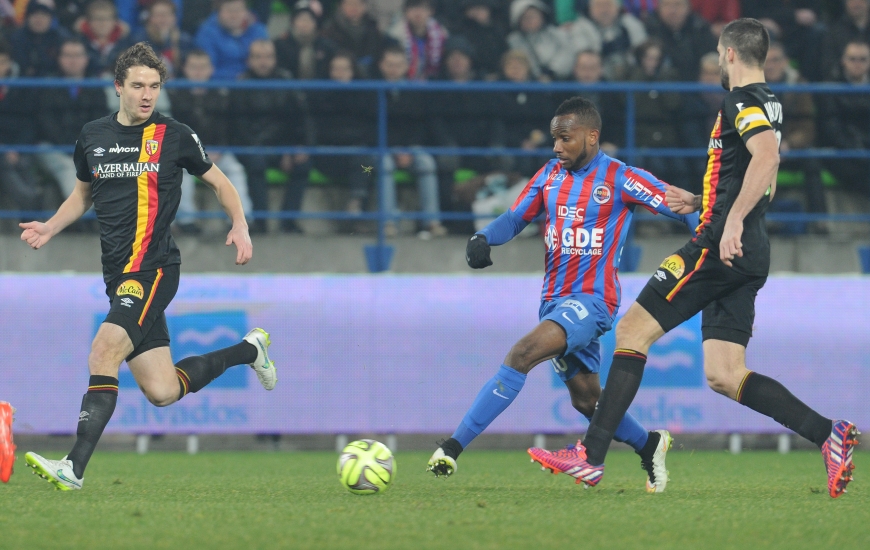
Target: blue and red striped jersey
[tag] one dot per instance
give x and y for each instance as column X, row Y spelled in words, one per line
column 588, row 214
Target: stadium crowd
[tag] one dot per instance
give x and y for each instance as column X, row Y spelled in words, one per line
column 583, row 41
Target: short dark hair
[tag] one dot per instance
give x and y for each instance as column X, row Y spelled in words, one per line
column 585, row 111
column 748, row 38
column 76, row 40
column 138, row 54
column 393, row 49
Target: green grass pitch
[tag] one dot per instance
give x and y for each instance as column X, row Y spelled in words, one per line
column 495, row 500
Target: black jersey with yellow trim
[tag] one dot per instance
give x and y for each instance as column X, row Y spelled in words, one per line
column 746, row 111
column 135, row 175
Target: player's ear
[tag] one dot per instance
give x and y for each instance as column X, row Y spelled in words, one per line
column 592, row 137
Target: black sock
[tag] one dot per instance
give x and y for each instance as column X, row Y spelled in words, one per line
column 626, row 372
column 770, row 398
column 451, row 448
column 649, row 449
column 97, row 408
column 197, row 372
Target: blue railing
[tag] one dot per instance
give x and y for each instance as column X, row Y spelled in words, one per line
column 379, row 255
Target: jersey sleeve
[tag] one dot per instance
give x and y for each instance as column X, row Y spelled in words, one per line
column 530, row 203
column 191, row 154
column 83, row 171
column 639, row 187
column 746, row 114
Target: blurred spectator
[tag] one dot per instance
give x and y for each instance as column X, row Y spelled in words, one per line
column 352, row 29
column 226, row 37
column 106, row 35
column 63, row 112
column 588, row 70
column 269, row 118
column 845, row 119
column 35, row 45
column 684, row 35
column 135, row 13
column 658, row 115
column 162, row 32
column 699, row 112
column 798, row 127
column 422, row 37
column 853, row 25
column 303, row 51
column 614, row 35
column 486, row 37
column 17, row 106
column 338, row 125
column 642, row 9
column 406, row 128
column 196, row 12
column 549, row 48
column 718, row 13
column 796, row 24
column 463, row 119
column 208, row 111
column 385, row 12
column 525, row 115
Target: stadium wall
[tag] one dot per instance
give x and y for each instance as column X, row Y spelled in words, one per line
column 379, row 354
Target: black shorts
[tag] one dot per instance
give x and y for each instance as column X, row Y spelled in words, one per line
column 695, row 279
column 138, row 302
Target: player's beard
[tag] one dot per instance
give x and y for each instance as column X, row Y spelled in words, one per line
column 726, row 81
column 579, row 160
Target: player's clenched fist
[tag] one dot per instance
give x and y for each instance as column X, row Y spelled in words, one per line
column 35, row 234
column 477, row 252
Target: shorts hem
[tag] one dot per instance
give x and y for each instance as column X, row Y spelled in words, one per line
column 726, row 334
column 664, row 312
column 153, row 344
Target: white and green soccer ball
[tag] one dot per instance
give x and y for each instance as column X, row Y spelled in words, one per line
column 366, row 467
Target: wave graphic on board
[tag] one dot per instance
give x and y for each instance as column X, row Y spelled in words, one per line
column 207, row 338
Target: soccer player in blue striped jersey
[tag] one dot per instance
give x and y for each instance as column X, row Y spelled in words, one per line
column 588, row 199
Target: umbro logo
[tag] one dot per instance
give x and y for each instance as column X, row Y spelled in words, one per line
column 83, row 416
column 98, row 152
column 118, row 149
column 660, row 275
column 126, row 302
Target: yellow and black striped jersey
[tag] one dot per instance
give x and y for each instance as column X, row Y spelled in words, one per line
column 135, row 175
column 745, row 112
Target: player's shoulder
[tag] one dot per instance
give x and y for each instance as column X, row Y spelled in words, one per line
column 172, row 124
column 101, row 124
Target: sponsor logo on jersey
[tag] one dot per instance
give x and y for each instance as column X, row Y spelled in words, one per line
column 714, row 144
column 199, row 144
column 118, row 149
column 601, row 194
column 126, row 302
column 576, row 241
column 642, row 192
column 675, row 265
column 574, row 213
column 98, row 152
column 558, row 176
column 124, row 169
column 151, row 146
column 130, row 287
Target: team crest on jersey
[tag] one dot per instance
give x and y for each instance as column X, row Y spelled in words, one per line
column 552, row 238
column 675, row 265
column 130, row 287
column 601, row 194
column 151, row 146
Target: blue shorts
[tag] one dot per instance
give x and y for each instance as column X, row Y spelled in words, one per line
column 585, row 318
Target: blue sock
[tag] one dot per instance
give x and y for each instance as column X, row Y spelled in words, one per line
column 630, row 432
column 494, row 397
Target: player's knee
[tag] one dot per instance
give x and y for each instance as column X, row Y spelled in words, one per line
column 718, row 382
column 521, row 357
column 585, row 404
column 161, row 397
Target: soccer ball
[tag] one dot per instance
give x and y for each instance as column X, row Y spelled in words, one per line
column 366, row 467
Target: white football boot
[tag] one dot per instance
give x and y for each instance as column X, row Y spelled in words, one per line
column 440, row 464
column 264, row 368
column 57, row 472
column 657, row 473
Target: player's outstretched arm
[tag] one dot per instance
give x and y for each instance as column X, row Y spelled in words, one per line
column 681, row 201
column 229, row 199
column 760, row 176
column 36, row 234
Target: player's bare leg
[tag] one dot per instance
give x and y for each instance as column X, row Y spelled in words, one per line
column 725, row 368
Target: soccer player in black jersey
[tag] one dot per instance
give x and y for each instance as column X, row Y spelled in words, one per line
column 128, row 166
column 720, row 271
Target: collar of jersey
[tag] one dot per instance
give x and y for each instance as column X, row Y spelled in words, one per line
column 134, row 129
column 590, row 164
